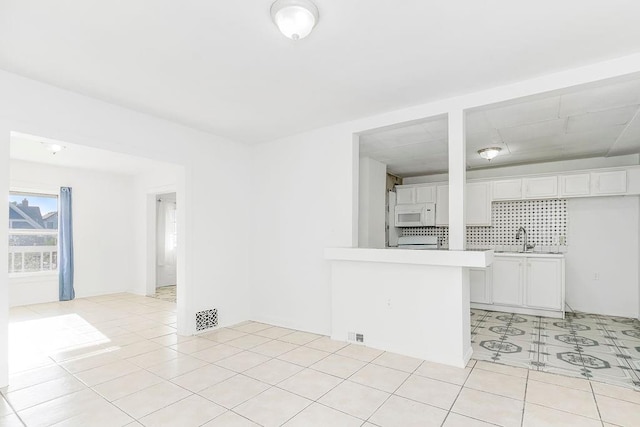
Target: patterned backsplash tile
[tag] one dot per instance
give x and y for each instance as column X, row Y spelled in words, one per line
column 544, row 220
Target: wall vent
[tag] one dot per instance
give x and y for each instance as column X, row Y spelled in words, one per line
column 355, row 337
column 206, row 319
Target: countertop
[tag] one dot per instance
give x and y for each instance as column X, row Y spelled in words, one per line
column 444, row 257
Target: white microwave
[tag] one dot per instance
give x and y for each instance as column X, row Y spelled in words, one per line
column 416, row 215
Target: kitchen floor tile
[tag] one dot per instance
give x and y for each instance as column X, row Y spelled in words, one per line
column 457, row 420
column 273, row 371
column 234, row 391
column 230, row 419
column 493, row 382
column 432, row 392
column 274, row 348
column 317, row 415
column 219, row 352
column 247, row 342
column 338, row 366
column 274, row 332
column 408, row 413
column 618, row 412
column 327, row 344
column 223, row 335
column 359, row 352
column 144, row 402
column 562, row 398
column 300, row 338
column 201, row 378
column 541, row 416
column 192, row 411
column 274, row 407
column 240, row 362
column 310, row 383
column 303, row 356
column 106, row 373
column 398, row 361
column 39, row 393
column 10, row 420
column 251, row 327
column 488, row 407
column 176, row 367
column 354, row 399
column 445, row 373
column 379, row 377
column 127, row 384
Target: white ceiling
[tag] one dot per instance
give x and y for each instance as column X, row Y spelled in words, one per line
column 222, row 66
column 590, row 121
column 33, row 149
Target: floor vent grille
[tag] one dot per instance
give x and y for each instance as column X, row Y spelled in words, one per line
column 206, row 319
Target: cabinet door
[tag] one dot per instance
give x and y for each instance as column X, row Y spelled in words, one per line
column 508, row 189
column 543, row 187
column 426, row 194
column 612, row 182
column 405, row 195
column 442, row 205
column 480, row 285
column 544, row 283
column 575, row 185
column 507, row 280
column 478, row 206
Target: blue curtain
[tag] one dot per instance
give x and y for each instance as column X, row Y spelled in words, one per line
column 65, row 255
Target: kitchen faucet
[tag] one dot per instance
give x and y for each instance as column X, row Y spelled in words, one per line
column 525, row 245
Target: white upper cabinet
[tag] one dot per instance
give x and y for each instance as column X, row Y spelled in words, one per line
column 478, row 203
column 426, row 194
column 405, row 195
column 609, row 182
column 541, row 187
column 507, row 189
column 410, row 194
column 575, row 185
column 442, row 205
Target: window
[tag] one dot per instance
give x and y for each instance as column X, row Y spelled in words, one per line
column 33, row 232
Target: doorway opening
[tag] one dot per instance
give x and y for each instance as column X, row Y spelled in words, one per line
column 166, row 247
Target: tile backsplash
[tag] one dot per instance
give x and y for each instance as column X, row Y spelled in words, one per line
column 544, row 220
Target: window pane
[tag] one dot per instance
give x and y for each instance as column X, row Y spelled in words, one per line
column 33, row 211
column 33, row 233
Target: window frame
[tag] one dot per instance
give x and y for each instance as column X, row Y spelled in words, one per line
column 27, row 232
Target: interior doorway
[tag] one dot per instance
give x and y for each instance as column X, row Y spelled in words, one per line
column 166, row 247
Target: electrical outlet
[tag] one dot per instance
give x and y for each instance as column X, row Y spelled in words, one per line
column 596, row 276
column 562, row 240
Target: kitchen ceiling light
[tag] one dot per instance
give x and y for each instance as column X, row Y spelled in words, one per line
column 489, row 153
column 294, row 18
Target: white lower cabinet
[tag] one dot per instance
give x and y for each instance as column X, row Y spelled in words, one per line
column 527, row 284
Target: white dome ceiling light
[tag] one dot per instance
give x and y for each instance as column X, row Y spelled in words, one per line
column 295, row 18
column 489, row 153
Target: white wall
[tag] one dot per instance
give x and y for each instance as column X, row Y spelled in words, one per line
column 603, row 240
column 102, row 227
column 305, row 186
column 214, row 254
column 372, row 206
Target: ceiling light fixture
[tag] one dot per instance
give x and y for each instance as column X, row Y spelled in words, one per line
column 53, row 148
column 294, row 18
column 489, row 153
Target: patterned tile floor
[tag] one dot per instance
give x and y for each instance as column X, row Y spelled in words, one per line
column 596, row 347
column 166, row 293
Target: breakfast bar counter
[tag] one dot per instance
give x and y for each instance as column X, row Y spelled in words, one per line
column 411, row 302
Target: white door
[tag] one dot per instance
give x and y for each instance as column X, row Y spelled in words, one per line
column 507, row 280
column 544, row 283
column 480, row 285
